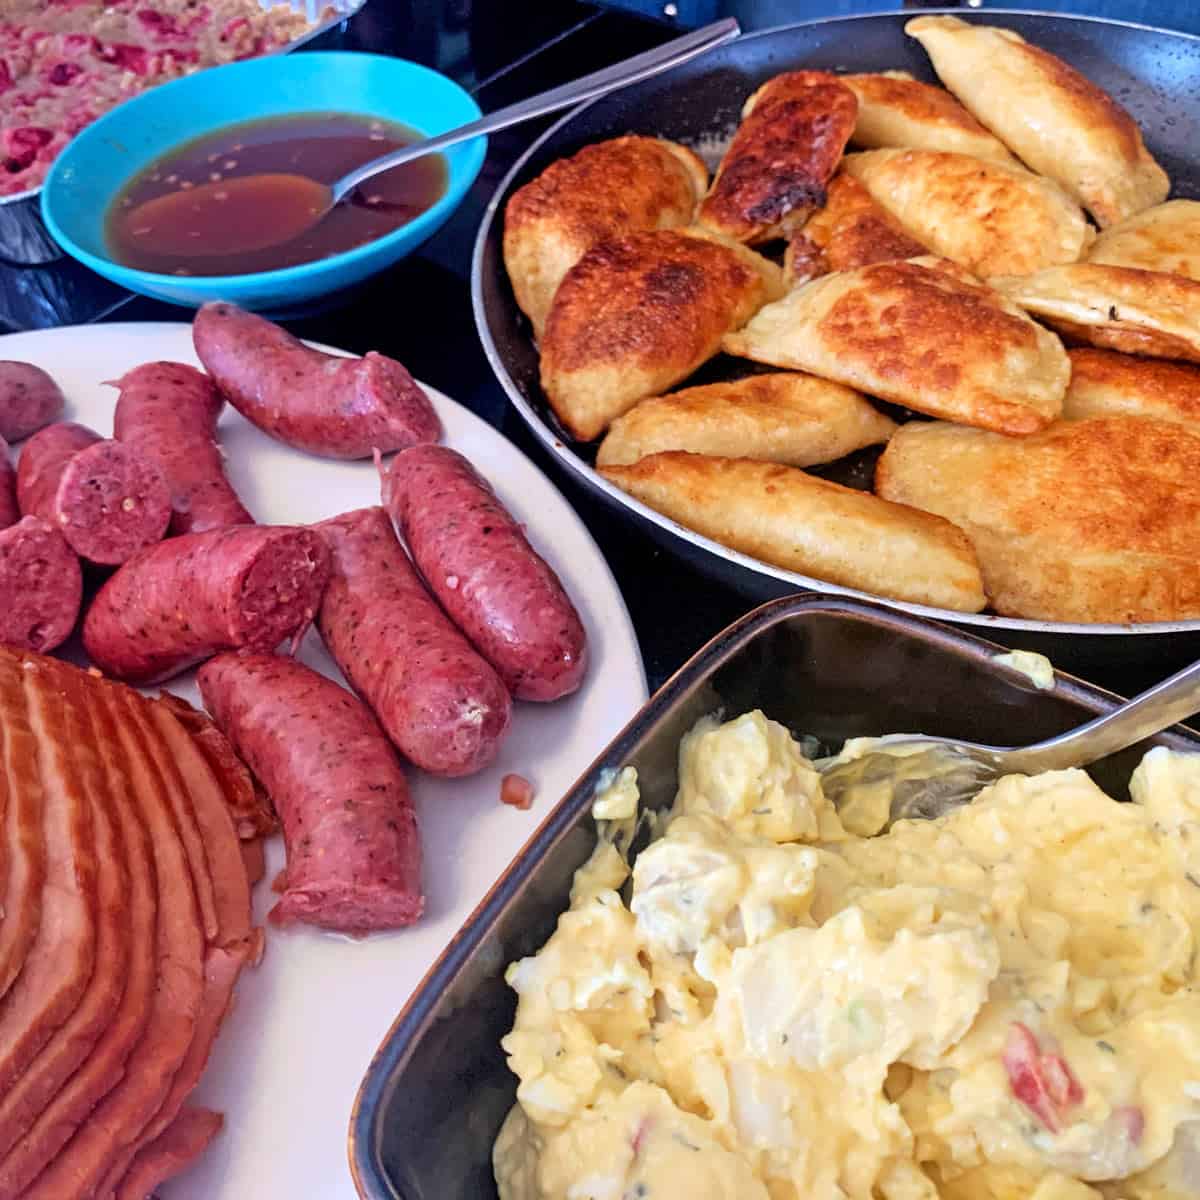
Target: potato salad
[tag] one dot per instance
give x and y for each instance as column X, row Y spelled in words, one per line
column 997, row 1004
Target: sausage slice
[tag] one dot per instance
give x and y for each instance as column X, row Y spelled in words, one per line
column 108, row 502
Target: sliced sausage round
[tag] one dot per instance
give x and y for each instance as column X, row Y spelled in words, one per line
column 167, row 412
column 108, row 501
column 169, row 607
column 29, row 400
column 500, row 592
column 41, row 586
column 328, row 405
column 350, row 832
column 443, row 705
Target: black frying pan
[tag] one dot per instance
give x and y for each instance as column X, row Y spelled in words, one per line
column 1153, row 73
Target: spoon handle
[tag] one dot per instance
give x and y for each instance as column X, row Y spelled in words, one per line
column 1154, row 710
column 632, row 70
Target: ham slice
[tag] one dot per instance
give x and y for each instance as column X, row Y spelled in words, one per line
column 222, row 860
column 106, row 1065
column 78, row 1036
column 221, row 969
column 172, row 1151
column 120, row 1117
column 24, row 844
column 254, row 859
column 183, row 810
column 252, row 811
column 233, row 943
column 59, row 963
column 123, row 821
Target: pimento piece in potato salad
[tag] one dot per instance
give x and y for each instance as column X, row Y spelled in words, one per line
column 1044, row 1083
column 517, row 791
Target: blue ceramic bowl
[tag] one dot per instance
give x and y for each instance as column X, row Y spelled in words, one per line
column 101, row 159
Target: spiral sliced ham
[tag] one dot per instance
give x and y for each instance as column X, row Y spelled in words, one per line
column 61, row 1115
column 23, row 847
column 60, row 960
column 128, row 928
column 74, row 1040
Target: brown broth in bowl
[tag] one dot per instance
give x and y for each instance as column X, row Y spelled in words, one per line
column 322, row 146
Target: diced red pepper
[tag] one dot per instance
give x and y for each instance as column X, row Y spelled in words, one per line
column 161, row 25
column 125, row 55
column 62, row 73
column 21, row 147
column 231, row 27
column 27, row 139
column 6, row 79
column 517, row 791
column 1062, row 1085
column 179, row 54
column 78, row 43
column 198, row 21
column 1044, row 1083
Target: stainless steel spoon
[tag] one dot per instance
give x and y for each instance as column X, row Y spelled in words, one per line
column 298, row 203
column 599, row 83
column 933, row 775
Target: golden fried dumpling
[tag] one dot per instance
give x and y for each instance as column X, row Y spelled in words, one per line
column 1120, row 308
column 640, row 313
column 1058, row 122
column 924, row 333
column 1090, row 521
column 774, row 174
column 796, row 521
column 852, row 230
column 620, row 186
column 783, row 417
column 1105, row 383
column 1163, row 238
column 992, row 218
column 894, row 109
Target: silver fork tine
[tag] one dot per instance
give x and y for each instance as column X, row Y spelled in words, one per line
column 967, row 767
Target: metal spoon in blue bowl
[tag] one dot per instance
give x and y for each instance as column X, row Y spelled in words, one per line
column 297, row 203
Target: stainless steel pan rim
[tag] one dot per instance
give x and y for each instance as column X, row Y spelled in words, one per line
column 596, row 482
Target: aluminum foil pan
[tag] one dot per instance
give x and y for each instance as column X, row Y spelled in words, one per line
column 14, row 239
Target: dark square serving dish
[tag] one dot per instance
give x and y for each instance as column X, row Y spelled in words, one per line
column 438, row 1088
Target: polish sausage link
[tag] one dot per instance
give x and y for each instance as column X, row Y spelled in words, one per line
column 167, row 412
column 29, row 400
column 10, row 512
column 332, row 406
column 353, row 853
column 245, row 586
column 437, row 699
column 41, row 586
column 500, row 592
column 107, row 501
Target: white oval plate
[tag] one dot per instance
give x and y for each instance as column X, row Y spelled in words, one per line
column 307, row 1020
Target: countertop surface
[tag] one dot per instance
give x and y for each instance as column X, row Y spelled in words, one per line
column 420, row 311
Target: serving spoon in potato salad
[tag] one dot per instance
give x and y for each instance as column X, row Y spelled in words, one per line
column 875, row 782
